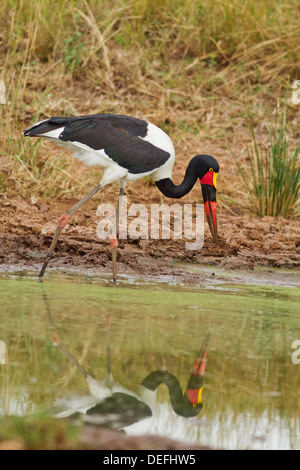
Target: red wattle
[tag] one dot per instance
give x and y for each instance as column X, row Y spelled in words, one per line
column 192, row 394
column 207, row 178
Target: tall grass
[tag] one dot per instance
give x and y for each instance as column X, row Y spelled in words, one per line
column 273, row 182
column 152, row 58
column 222, row 31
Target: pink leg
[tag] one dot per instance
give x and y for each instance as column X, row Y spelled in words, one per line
column 114, row 245
column 62, row 221
column 114, row 242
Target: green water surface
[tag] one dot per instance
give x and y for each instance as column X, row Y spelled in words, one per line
column 56, row 337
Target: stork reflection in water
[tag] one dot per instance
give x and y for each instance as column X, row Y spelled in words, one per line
column 110, row 404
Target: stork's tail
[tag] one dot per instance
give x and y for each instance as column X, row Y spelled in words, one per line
column 47, row 128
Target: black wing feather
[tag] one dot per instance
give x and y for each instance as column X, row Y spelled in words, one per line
column 118, row 136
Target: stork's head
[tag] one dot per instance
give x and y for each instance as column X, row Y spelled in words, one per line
column 195, row 385
column 208, row 179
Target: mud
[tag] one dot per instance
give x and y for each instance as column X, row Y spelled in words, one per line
column 99, row 439
column 92, row 438
column 245, row 243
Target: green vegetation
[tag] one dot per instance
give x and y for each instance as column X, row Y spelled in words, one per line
column 36, row 432
column 273, row 185
column 218, row 32
column 190, row 66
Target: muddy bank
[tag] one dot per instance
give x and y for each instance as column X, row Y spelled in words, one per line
column 99, row 439
column 92, row 438
column 245, row 242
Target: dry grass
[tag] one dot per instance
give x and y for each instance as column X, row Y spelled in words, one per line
column 195, row 69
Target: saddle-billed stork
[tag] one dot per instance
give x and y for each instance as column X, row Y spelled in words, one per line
column 134, row 411
column 127, row 148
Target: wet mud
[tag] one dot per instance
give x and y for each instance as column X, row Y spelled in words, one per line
column 245, row 243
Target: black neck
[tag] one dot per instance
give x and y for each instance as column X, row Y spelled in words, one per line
column 179, row 401
column 194, row 170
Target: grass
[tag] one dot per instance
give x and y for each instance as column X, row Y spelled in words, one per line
column 37, row 432
column 273, row 183
column 220, row 31
column 190, row 67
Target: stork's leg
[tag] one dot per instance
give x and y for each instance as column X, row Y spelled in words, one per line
column 114, row 241
column 62, row 221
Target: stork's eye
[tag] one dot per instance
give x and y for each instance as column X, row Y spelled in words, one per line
column 211, row 169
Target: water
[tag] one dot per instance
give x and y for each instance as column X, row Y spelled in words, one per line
column 75, row 344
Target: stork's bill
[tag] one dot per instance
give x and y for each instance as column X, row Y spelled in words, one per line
column 209, row 190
